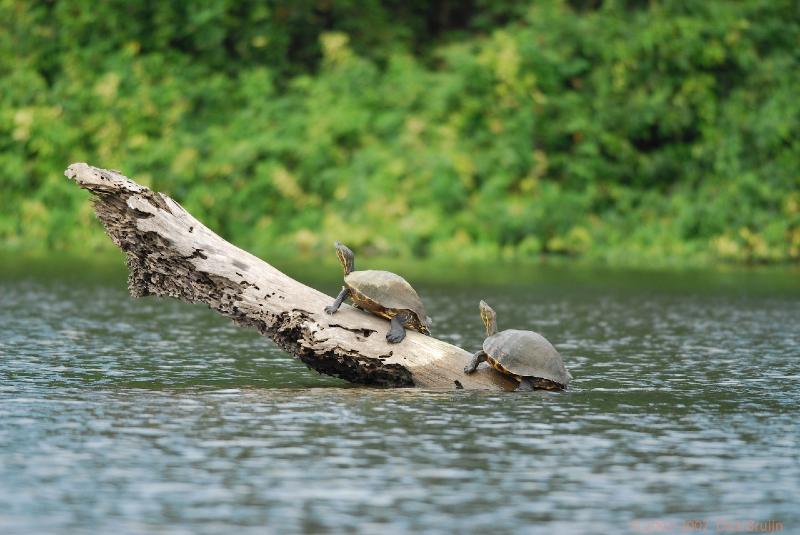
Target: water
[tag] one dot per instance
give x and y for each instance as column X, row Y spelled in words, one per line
column 153, row 416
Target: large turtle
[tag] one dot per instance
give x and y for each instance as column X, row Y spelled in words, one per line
column 524, row 355
column 384, row 294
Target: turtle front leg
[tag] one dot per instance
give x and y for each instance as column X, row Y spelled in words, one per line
column 525, row 385
column 477, row 358
column 397, row 332
column 331, row 309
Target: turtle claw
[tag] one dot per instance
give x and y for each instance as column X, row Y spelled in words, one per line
column 395, row 336
column 469, row 369
column 330, row 309
column 397, row 331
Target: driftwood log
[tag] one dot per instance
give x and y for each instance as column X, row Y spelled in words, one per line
column 170, row 253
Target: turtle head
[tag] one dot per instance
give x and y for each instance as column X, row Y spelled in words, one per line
column 346, row 257
column 489, row 318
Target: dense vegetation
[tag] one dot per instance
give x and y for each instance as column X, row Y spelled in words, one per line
column 661, row 131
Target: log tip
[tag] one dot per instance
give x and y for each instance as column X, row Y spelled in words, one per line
column 101, row 180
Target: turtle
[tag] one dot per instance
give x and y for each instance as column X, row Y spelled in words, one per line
column 526, row 356
column 382, row 293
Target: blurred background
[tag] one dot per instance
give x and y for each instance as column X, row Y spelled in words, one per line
column 615, row 132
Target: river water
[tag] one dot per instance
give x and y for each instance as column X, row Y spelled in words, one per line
column 153, row 416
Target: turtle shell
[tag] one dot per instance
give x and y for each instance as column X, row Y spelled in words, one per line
column 527, row 354
column 385, row 294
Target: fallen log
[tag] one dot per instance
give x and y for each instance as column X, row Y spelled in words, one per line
column 170, row 253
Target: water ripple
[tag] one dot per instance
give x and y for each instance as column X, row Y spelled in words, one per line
column 139, row 416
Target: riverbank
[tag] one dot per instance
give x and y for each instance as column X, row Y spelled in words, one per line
column 325, row 272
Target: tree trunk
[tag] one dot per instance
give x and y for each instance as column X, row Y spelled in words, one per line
column 170, row 253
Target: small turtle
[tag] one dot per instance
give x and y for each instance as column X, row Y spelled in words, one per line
column 524, row 355
column 384, row 294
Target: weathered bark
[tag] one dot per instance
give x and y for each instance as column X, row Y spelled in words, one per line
column 170, row 253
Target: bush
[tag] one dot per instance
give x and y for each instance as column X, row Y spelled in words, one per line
column 627, row 134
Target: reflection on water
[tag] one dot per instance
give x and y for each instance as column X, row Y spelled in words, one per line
column 155, row 416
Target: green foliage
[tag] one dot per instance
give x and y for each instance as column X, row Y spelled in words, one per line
column 615, row 132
